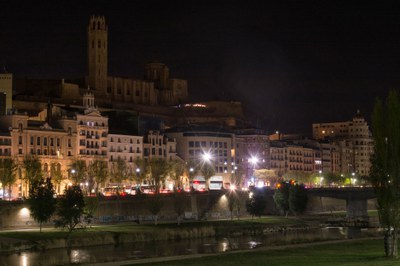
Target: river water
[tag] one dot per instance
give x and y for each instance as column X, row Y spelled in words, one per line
column 97, row 254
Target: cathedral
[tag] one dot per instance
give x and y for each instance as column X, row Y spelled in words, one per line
column 157, row 88
column 155, row 95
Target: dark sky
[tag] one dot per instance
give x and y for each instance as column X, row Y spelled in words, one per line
column 290, row 63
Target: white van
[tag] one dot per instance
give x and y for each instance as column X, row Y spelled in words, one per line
column 216, row 182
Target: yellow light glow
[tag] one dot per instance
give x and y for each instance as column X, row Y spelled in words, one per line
column 24, row 213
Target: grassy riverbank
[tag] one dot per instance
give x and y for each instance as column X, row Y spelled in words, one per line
column 17, row 240
column 354, row 253
column 33, row 234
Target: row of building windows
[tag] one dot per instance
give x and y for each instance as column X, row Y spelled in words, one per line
column 203, row 144
column 5, row 151
column 199, row 152
column 46, row 141
column 5, row 142
column 119, row 149
column 130, row 140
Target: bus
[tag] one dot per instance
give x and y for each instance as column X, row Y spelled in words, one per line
column 216, row 182
column 199, row 183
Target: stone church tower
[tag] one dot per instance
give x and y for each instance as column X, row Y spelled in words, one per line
column 97, row 54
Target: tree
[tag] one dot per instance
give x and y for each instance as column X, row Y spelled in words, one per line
column 7, row 174
column 78, row 172
column 238, row 176
column 119, row 172
column 98, row 169
column 141, row 172
column 269, row 176
column 56, row 175
column 384, row 172
column 333, row 179
column 191, row 170
column 177, row 171
column 297, row 198
column 256, row 204
column 91, row 204
column 207, row 170
column 70, row 208
column 33, row 169
column 159, row 168
column 233, row 202
column 42, row 203
column 281, row 197
column 299, row 177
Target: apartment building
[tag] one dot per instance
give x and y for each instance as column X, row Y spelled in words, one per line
column 195, row 141
column 354, row 139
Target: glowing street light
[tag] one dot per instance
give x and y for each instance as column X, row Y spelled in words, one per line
column 253, row 160
column 206, row 156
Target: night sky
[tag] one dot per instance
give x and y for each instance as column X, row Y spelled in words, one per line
column 291, row 64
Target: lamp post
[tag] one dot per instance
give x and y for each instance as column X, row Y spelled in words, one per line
column 321, row 178
column 137, row 178
column 73, row 175
column 207, row 169
column 353, row 179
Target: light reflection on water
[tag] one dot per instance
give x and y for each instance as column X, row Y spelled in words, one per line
column 24, row 259
column 141, row 250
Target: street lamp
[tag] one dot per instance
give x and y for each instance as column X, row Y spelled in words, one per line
column 353, row 179
column 206, row 156
column 73, row 174
column 253, row 160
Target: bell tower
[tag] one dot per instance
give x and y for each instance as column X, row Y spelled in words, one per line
column 97, row 54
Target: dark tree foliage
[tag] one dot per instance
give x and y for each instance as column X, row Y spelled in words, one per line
column 8, row 177
column 385, row 170
column 256, row 204
column 159, row 168
column 91, row 205
column 281, row 197
column 70, row 208
column 297, row 199
column 42, row 203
